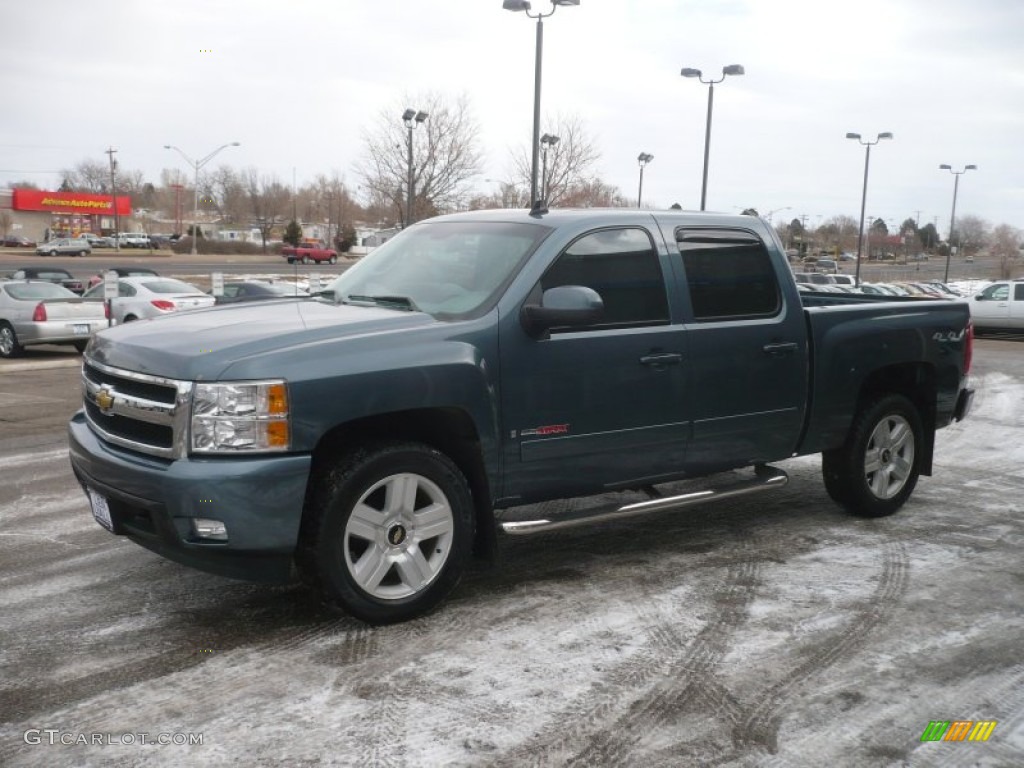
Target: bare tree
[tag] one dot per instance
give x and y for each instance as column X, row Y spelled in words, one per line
column 445, row 156
column 971, row 233
column 1006, row 244
column 569, row 164
column 268, row 201
column 594, row 193
column 88, row 176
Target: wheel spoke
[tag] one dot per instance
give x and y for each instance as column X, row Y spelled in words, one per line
column 371, row 568
column 414, row 568
column 365, row 522
column 879, row 483
column 901, row 436
column 435, row 520
column 872, row 460
column 401, row 494
column 901, row 468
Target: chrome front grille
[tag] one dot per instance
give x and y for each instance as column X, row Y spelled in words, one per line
column 144, row 413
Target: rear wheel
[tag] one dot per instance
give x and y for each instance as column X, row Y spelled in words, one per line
column 388, row 531
column 876, row 470
column 129, row 318
column 333, row 260
column 9, row 346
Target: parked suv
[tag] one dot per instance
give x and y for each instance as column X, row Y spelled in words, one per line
column 134, row 240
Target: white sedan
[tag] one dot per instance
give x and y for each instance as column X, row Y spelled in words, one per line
column 139, row 298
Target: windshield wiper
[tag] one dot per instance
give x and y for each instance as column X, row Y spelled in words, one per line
column 396, row 302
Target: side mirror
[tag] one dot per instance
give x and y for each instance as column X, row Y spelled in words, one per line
column 979, row 297
column 566, row 305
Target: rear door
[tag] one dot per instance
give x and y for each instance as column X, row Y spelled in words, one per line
column 748, row 356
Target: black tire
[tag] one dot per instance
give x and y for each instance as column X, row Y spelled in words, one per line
column 375, row 564
column 333, row 260
column 81, row 345
column 52, row 253
column 129, row 319
column 9, row 345
column 291, row 260
column 889, row 427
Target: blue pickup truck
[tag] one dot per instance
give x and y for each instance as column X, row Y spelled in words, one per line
column 373, row 437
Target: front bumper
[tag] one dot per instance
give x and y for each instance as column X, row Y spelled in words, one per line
column 152, row 502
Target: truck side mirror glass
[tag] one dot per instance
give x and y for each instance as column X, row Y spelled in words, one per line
column 566, row 305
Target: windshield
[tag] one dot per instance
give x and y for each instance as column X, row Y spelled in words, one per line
column 452, row 270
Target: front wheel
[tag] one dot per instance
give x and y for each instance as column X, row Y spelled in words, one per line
column 333, row 260
column 388, row 531
column 876, row 470
column 52, row 253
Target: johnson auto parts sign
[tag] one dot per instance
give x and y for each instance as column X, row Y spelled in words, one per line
column 68, row 202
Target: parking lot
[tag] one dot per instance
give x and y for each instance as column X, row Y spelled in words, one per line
column 772, row 632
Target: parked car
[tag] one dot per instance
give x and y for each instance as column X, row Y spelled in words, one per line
column 65, row 246
column 16, row 241
column 999, row 306
column 842, row 279
column 258, row 290
column 98, row 241
column 39, row 312
column 139, row 298
column 52, row 275
column 122, row 272
column 827, row 265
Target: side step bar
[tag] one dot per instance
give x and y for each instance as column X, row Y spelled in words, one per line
column 765, row 479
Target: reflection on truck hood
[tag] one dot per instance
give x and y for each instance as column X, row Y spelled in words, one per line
column 198, row 345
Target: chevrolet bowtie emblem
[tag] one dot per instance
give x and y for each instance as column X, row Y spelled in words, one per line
column 105, row 400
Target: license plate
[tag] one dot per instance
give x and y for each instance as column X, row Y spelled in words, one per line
column 81, row 329
column 100, row 509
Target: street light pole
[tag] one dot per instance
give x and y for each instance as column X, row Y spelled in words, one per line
column 547, row 141
column 113, row 198
column 412, row 119
column 732, row 69
column 524, row 5
column 197, row 164
column 864, row 193
column 643, row 158
column 952, row 216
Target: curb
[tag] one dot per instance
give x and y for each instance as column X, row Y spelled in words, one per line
column 39, row 365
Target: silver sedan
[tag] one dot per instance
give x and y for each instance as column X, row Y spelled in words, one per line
column 139, row 298
column 38, row 312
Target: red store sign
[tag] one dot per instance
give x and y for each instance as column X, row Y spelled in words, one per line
column 68, row 202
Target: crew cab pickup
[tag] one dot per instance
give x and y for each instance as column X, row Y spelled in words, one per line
column 376, row 435
column 309, row 252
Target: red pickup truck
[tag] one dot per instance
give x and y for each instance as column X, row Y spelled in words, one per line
column 304, row 253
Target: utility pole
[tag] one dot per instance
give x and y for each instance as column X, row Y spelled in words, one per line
column 113, row 198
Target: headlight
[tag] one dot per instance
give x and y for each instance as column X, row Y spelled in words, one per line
column 240, row 416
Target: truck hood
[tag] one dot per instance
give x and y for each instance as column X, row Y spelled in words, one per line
column 199, row 345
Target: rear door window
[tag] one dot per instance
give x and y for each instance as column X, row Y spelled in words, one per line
column 729, row 275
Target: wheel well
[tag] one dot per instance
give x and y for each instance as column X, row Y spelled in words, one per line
column 915, row 381
column 449, row 430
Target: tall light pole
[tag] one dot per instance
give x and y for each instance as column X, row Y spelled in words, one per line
column 773, row 211
column 197, row 164
column 864, row 194
column 547, row 141
column 643, row 158
column 524, row 5
column 732, row 69
column 952, row 216
column 113, row 198
column 412, row 119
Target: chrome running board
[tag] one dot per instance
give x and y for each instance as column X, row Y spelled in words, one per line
column 765, row 479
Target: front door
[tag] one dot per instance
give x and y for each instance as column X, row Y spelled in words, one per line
column 600, row 406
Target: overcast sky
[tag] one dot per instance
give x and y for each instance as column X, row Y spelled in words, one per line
column 298, row 83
